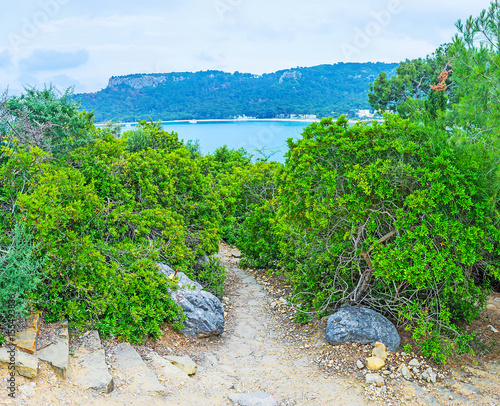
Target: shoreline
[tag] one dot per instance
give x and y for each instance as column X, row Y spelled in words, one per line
column 224, row 120
column 236, row 120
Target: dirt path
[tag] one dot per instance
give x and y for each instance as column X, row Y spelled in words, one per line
column 255, row 359
column 262, row 350
column 251, row 356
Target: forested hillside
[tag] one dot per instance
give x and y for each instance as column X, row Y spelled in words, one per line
column 325, row 90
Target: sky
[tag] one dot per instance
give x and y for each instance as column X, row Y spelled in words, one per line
column 83, row 43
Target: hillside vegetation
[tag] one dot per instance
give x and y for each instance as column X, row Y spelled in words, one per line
column 401, row 216
column 323, row 90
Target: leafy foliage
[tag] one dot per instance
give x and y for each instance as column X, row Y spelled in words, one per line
column 47, row 120
column 20, row 275
column 102, row 214
column 390, row 216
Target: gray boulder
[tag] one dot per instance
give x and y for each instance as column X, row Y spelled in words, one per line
column 204, row 311
column 363, row 326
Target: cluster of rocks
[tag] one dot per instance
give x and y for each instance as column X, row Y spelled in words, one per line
column 205, row 317
column 409, row 371
column 22, row 351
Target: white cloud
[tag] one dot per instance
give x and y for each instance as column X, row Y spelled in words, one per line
column 124, row 36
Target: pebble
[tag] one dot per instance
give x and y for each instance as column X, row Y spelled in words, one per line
column 414, row 363
column 374, row 363
column 404, row 371
column 360, row 364
column 374, row 379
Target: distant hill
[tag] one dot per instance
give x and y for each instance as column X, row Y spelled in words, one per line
column 323, row 90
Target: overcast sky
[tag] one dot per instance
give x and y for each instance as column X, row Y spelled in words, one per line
column 84, row 42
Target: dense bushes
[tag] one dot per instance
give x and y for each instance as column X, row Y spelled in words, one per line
column 391, row 216
column 400, row 217
column 102, row 214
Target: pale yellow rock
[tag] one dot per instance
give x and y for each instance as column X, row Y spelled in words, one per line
column 379, row 351
column 26, row 339
column 374, row 363
column 25, row 364
column 185, row 363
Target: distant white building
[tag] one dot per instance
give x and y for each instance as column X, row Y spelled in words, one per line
column 364, row 113
column 304, row 116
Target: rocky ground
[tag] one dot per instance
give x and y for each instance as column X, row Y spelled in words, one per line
column 261, row 350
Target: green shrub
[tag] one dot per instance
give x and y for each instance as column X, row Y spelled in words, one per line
column 47, row 119
column 212, row 276
column 220, row 167
column 20, row 275
column 150, row 135
column 104, row 220
column 390, row 216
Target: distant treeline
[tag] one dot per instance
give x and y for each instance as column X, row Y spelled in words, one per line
column 324, row 90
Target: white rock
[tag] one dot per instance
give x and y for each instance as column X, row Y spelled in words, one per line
column 404, row 371
column 414, row 363
column 185, row 363
column 360, row 364
column 375, row 379
column 493, row 328
column 429, row 375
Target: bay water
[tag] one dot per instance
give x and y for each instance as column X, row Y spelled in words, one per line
column 260, row 138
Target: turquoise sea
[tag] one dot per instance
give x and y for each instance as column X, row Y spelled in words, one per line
column 254, row 136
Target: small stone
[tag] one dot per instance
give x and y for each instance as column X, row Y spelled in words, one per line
column 374, row 363
column 27, row 390
column 374, row 379
column 185, row 363
column 403, row 354
column 414, row 363
column 429, row 375
column 379, row 351
column 493, row 328
column 403, row 369
column 360, row 364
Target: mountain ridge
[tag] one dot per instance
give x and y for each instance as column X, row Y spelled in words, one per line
column 213, row 94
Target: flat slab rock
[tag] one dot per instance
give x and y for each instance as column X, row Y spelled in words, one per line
column 136, row 372
column 362, row 326
column 97, row 376
column 252, row 399
column 57, row 354
column 166, row 371
column 25, row 364
column 204, row 311
column 26, row 339
column 95, row 373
